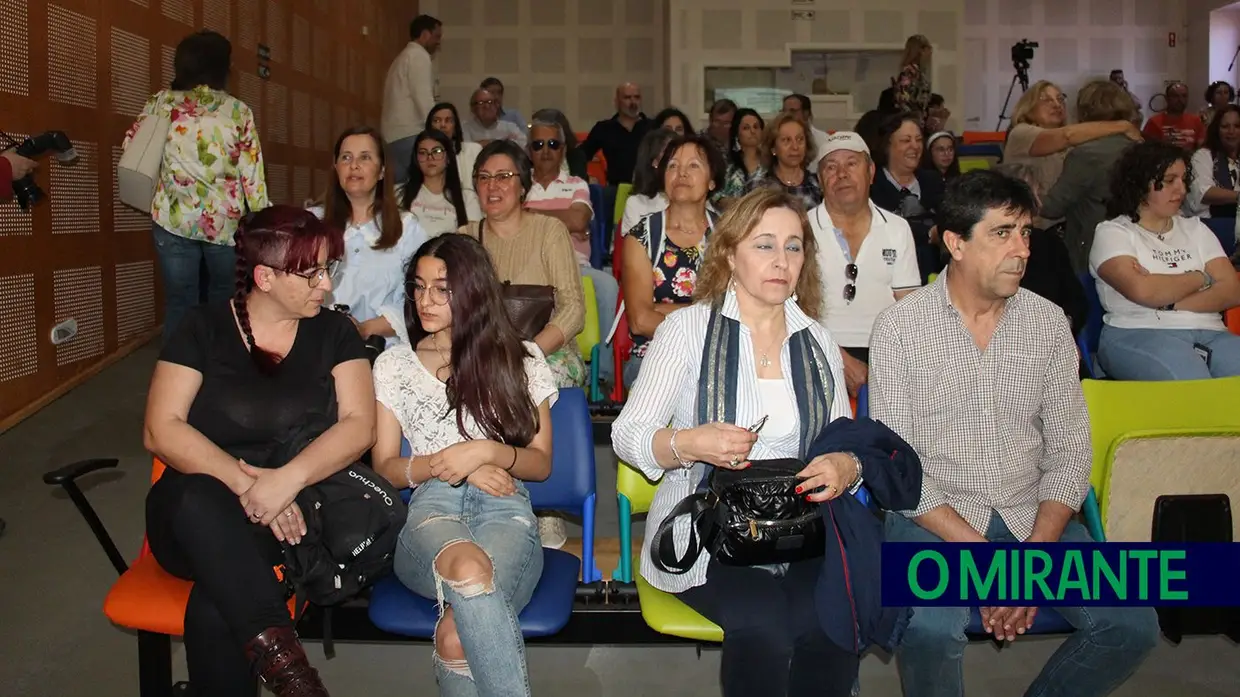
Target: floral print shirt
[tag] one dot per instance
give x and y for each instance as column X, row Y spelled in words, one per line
column 675, row 274
column 213, row 164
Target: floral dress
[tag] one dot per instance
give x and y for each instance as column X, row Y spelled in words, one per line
column 675, row 274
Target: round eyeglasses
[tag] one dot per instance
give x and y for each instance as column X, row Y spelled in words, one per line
column 315, row 276
column 438, row 295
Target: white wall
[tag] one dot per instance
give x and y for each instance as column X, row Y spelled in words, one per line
column 565, row 54
column 1224, row 40
column 1079, row 41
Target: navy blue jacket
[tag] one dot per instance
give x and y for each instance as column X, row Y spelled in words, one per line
column 848, row 597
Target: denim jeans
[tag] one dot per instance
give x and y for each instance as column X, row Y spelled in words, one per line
column 486, row 621
column 606, row 296
column 1104, row 651
column 400, row 159
column 180, row 264
column 1167, row 354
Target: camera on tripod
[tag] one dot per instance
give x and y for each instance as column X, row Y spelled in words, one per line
column 1022, row 53
column 25, row 189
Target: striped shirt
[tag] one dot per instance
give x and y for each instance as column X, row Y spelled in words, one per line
column 666, row 392
column 563, row 193
column 997, row 430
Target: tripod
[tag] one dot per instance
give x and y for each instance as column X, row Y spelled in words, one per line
column 1022, row 76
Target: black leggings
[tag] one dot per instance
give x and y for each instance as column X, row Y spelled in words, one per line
column 198, row 531
column 772, row 643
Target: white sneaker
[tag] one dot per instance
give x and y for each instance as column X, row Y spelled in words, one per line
column 552, row 531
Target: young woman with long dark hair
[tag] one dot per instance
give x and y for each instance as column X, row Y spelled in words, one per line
column 379, row 237
column 434, row 193
column 474, row 402
column 447, row 120
column 235, row 378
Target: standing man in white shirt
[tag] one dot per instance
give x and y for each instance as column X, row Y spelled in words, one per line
column 409, row 92
column 866, row 254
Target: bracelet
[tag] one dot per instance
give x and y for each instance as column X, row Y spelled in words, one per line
column 514, row 459
column 676, row 453
column 857, row 463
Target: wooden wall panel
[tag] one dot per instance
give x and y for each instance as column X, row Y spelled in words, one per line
column 86, row 67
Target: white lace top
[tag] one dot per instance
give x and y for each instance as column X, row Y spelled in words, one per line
column 419, row 401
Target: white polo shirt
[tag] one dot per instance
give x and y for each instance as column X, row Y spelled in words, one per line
column 561, row 194
column 885, row 263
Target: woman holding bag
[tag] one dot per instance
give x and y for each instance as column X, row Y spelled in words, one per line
column 212, row 173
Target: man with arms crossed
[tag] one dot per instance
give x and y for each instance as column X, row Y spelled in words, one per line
column 980, row 377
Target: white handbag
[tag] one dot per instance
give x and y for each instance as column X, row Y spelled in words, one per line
column 137, row 173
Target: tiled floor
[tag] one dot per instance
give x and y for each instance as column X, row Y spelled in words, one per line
column 55, row 642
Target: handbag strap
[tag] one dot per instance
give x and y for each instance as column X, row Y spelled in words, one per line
column 703, row 529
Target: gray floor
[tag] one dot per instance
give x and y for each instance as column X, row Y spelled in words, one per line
column 56, row 642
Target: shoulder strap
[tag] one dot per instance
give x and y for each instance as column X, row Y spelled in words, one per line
column 654, row 230
column 481, row 224
column 703, row 529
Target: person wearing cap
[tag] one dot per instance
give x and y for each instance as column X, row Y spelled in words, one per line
column 866, row 254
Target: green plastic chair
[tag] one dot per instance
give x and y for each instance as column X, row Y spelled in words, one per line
column 589, row 339
column 1122, row 410
column 663, row 612
column 968, row 164
column 622, row 195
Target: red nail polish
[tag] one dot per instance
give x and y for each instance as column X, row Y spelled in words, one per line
column 798, row 490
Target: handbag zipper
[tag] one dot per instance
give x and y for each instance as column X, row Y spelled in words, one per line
column 754, row 523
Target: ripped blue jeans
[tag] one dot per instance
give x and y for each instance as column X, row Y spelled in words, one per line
column 486, row 621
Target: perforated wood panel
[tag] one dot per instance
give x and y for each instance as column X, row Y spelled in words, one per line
column 19, row 347
column 78, row 295
column 248, row 23
column 301, row 119
column 357, row 73
column 144, row 3
column 277, row 184
column 70, row 57
column 251, row 92
column 301, row 184
column 277, row 113
column 301, row 44
column 75, row 192
column 131, row 72
column 15, row 47
column 135, row 299
column 277, row 31
column 322, row 53
column 217, row 15
column 321, row 181
column 323, row 137
column 167, row 70
column 124, row 218
column 178, row 10
column 341, row 115
column 342, row 66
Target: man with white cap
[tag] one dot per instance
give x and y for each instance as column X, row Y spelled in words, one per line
column 866, row 254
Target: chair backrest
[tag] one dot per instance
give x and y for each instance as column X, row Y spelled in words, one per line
column 599, row 224
column 969, row 164
column 617, row 252
column 1232, row 318
column 1123, row 408
column 621, row 345
column 975, row 137
column 1225, row 230
column 635, row 487
column 597, row 167
column 622, row 195
column 1092, row 331
column 589, row 334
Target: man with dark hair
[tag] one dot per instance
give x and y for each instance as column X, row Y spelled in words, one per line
column 409, row 91
column 721, row 114
column 980, row 377
column 496, row 88
column 800, row 106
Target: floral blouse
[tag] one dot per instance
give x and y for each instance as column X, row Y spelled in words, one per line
column 809, row 190
column 913, row 90
column 213, row 164
column 675, row 274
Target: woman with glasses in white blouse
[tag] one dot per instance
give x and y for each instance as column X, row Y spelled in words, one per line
column 758, row 290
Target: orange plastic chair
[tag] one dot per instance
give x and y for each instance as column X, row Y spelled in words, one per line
column 975, row 137
column 1232, row 317
column 597, row 168
column 145, row 598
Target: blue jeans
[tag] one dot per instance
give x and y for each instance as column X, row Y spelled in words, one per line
column 486, row 622
column 1167, row 354
column 180, row 263
column 1104, row 651
column 606, row 296
column 400, row 159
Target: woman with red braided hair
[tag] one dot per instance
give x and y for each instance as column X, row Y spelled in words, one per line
column 231, row 381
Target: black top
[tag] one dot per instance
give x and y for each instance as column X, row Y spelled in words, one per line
column 1049, row 274
column 578, row 165
column 619, row 146
column 242, row 410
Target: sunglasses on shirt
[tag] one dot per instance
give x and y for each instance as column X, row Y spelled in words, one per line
column 850, row 290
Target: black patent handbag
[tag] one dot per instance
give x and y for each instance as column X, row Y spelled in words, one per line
column 749, row 517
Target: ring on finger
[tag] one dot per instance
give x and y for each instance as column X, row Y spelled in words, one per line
column 288, row 514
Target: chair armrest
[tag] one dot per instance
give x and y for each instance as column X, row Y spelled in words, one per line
column 70, row 473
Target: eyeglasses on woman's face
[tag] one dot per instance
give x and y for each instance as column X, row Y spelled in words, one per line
column 499, row 178
column 316, row 275
column 438, row 294
column 434, row 154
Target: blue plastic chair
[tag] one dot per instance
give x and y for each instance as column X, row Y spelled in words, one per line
column 1225, row 230
column 1091, row 333
column 570, row 488
column 598, row 226
column 863, row 401
column 980, row 150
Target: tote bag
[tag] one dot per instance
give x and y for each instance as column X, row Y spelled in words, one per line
column 137, row 173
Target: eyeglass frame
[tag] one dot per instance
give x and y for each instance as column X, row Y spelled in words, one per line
column 418, row 291
column 435, row 154
column 315, row 275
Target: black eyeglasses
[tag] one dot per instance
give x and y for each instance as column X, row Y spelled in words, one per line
column 850, row 290
column 316, row 275
column 538, row 144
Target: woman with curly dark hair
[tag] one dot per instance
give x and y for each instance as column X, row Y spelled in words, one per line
column 673, row 119
column 1163, row 278
column 474, row 402
column 1218, row 95
column 1216, row 167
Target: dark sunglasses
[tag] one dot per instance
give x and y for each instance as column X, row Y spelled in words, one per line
column 538, row 144
column 850, row 290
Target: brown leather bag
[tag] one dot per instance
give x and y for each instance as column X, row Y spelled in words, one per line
column 529, row 306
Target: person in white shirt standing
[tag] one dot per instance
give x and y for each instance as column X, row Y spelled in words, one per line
column 866, row 254
column 409, row 92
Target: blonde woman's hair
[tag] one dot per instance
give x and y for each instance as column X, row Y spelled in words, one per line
column 737, row 225
column 1023, row 111
column 771, row 135
column 912, row 50
column 1103, row 100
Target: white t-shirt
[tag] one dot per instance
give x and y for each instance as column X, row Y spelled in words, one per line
column 500, row 130
column 637, row 207
column 465, row 160
column 436, row 214
column 1188, row 247
column 886, row 262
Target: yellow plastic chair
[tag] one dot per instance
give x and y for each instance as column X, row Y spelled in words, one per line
column 1123, row 410
column 622, row 196
column 589, row 339
column 663, row 612
column 968, row 164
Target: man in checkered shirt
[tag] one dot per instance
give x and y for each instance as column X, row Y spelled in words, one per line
column 980, row 377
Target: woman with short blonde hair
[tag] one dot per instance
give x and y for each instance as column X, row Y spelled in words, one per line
column 787, row 149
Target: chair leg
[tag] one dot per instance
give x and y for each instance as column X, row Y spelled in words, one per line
column 154, row 665
column 624, row 572
column 1093, row 517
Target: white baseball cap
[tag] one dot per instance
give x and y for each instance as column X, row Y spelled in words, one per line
column 844, row 140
